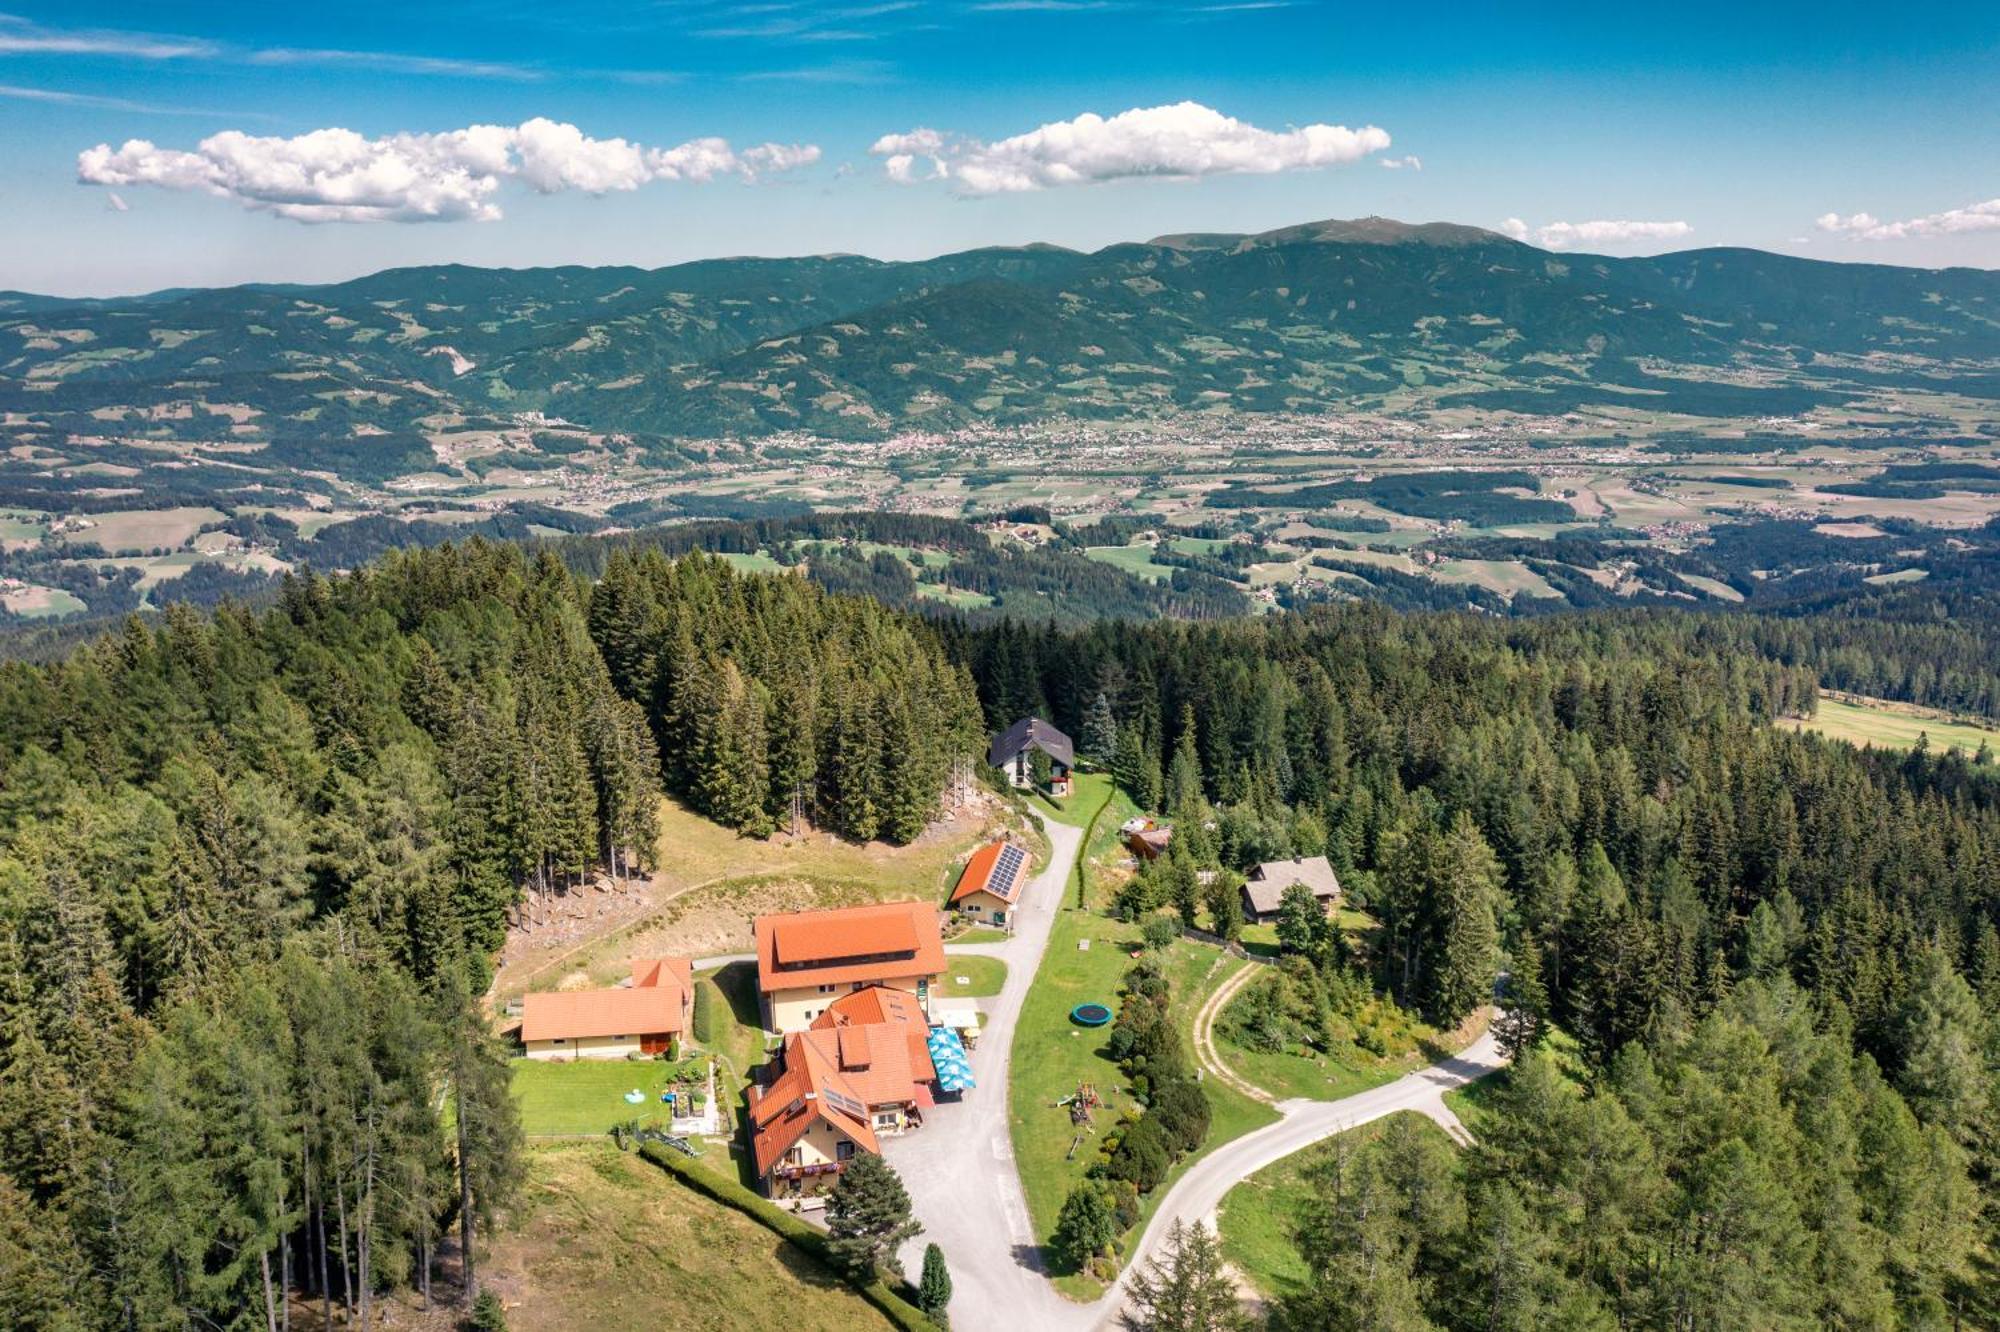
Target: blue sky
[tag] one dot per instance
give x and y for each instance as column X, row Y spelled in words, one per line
column 1829, row 130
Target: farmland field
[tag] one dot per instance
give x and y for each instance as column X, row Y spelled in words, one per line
column 34, row 602
column 1892, row 726
column 144, row 529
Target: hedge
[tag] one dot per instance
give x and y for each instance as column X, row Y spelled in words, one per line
column 704, row 1015
column 897, row 1309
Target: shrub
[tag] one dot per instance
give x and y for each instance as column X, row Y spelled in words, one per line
column 488, row 1314
column 1086, row 1225
column 1159, row 931
column 704, row 1013
column 1141, row 1157
column 1180, row 1108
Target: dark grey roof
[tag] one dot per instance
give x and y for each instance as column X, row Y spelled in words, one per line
column 1268, row 881
column 1031, row 732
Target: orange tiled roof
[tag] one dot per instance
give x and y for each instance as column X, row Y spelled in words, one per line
column 886, row 1015
column 655, row 1004
column 784, row 1111
column 888, row 941
column 980, row 874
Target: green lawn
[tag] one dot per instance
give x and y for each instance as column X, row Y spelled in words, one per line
column 1088, row 790
column 1259, row 1216
column 1300, row 1071
column 587, row 1095
column 984, row 976
column 978, row 934
column 1052, row 1055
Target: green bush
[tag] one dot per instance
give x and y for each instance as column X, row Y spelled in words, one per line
column 894, row 1306
column 1142, row 1157
column 704, row 1013
column 1180, row 1107
column 488, row 1314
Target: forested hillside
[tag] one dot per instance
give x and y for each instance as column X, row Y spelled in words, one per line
column 1777, row 956
column 349, row 377
column 253, row 868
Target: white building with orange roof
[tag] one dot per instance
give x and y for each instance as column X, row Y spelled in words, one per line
column 989, row 887
column 649, row 1016
column 860, row 1073
column 808, row 959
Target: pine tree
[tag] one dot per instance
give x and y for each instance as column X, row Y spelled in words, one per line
column 1183, row 786
column 1184, row 1288
column 934, row 1289
column 489, row 1145
column 1464, row 900
column 868, row 1217
column 1525, row 1013
column 1100, row 731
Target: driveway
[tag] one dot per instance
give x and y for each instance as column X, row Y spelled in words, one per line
column 959, row 1168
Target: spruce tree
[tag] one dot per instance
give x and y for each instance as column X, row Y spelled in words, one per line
column 868, row 1217
column 1100, row 731
column 1184, row 1288
column 934, row 1288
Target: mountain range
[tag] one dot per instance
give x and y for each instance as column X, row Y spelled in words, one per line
column 1368, row 315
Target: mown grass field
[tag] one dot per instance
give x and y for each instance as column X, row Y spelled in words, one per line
column 1052, row 1054
column 1259, row 1217
column 1887, row 725
column 604, row 1240
column 569, row 1098
column 983, row 976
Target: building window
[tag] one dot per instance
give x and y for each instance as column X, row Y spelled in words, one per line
column 560, row 1040
column 843, row 1151
column 828, row 989
column 886, row 1119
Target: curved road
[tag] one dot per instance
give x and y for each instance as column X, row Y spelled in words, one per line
column 960, row 1171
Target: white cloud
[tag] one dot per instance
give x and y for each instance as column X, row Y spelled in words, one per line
column 1563, row 235
column 1184, row 141
column 1955, row 221
column 390, row 62
column 1412, row 161
column 336, row 175
column 18, row 36
column 903, row 150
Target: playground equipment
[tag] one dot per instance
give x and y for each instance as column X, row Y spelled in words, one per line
column 1090, row 1015
column 1081, row 1102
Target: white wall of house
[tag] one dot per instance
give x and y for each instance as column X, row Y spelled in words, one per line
column 794, row 1009
column 585, row 1047
column 984, row 906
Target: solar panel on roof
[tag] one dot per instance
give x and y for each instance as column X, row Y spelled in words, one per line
column 844, row 1103
column 1005, row 868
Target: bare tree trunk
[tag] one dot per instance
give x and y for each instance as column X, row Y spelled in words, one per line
column 270, row 1304
column 465, row 1227
column 346, row 1268
column 325, row 1283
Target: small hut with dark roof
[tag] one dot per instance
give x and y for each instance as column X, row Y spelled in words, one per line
column 1014, row 747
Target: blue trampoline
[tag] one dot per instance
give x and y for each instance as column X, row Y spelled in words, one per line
column 954, row 1070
